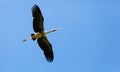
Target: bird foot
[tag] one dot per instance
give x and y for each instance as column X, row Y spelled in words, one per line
column 24, row 40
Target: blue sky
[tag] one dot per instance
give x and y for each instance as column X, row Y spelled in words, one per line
column 88, row 41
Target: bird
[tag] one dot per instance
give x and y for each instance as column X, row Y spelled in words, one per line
column 40, row 34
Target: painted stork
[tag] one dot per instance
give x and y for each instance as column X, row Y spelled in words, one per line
column 40, row 34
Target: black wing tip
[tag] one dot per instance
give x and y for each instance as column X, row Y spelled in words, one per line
column 35, row 10
column 49, row 59
column 35, row 6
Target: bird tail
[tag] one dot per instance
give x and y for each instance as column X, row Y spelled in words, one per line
column 30, row 38
column 33, row 38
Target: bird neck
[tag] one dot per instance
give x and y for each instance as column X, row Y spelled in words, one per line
column 53, row 30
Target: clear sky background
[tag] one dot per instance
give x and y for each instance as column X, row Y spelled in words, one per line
column 88, row 41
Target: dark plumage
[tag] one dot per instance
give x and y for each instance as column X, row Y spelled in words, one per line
column 38, row 19
column 46, row 47
column 38, row 27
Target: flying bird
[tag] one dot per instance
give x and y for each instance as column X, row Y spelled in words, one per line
column 40, row 34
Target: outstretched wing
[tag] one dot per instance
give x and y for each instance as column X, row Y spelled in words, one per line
column 38, row 19
column 46, row 47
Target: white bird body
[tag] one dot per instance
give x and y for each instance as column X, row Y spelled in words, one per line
column 39, row 35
